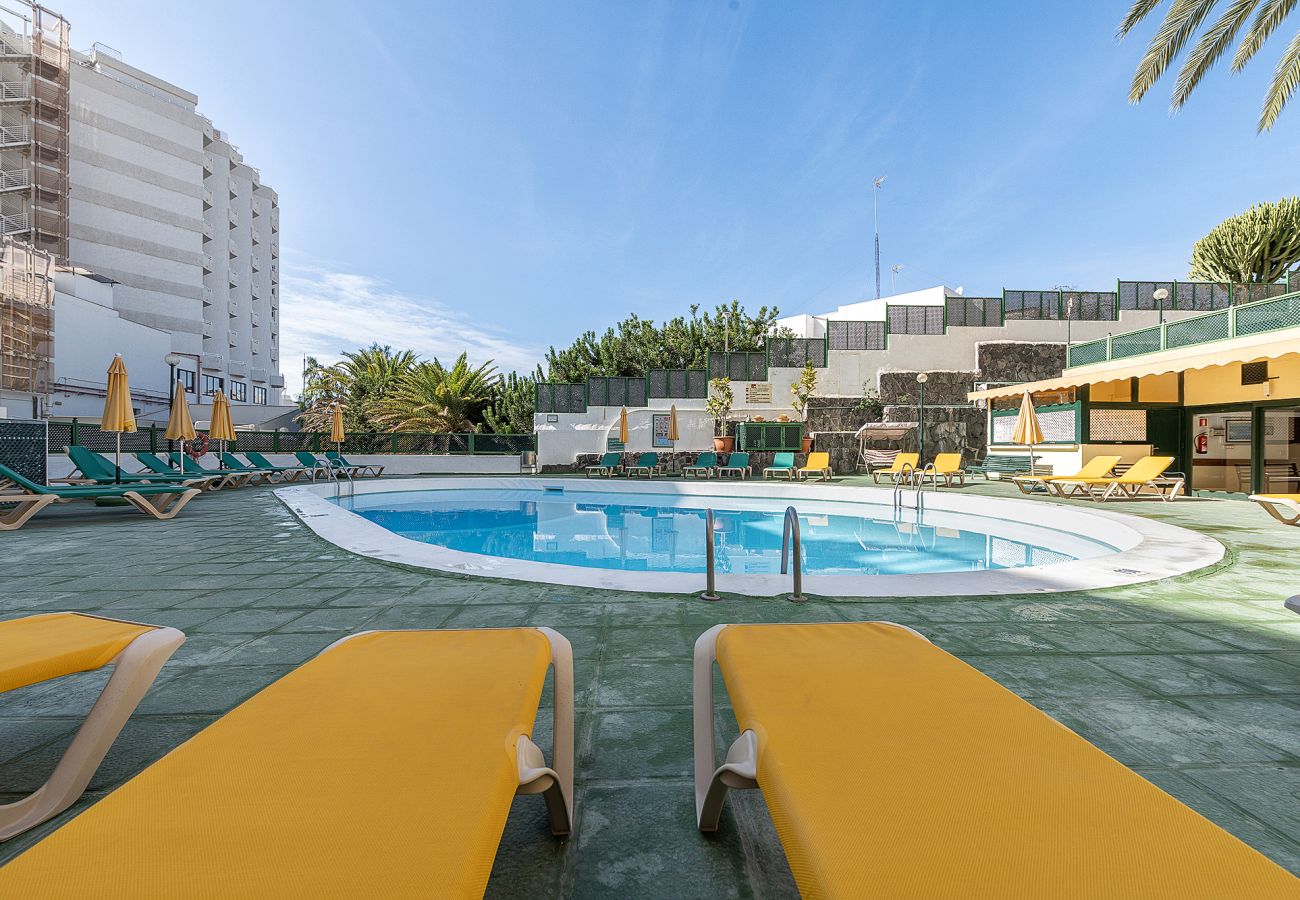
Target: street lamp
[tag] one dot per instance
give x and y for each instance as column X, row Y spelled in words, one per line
column 1160, row 296
column 876, row 221
column 172, row 360
column 893, row 275
column 921, row 379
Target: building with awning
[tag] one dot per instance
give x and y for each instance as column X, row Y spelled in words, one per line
column 1220, row 392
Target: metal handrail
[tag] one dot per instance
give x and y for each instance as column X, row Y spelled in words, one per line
column 710, row 578
column 906, row 471
column 789, row 529
column 336, row 469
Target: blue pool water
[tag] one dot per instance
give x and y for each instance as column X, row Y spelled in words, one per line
column 664, row 533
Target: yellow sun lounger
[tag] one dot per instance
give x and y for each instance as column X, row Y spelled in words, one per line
column 1149, row 471
column 895, row 470
column 384, row 767
column 1097, row 467
column 894, row 769
column 44, row 647
column 1283, row 507
column 818, row 464
column 946, row 466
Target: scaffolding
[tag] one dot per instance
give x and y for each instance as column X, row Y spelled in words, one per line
column 34, row 78
column 26, row 318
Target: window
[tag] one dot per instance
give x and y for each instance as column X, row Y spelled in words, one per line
column 259, row 395
column 239, row 391
column 187, row 378
column 212, row 384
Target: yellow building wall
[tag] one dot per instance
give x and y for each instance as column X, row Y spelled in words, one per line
column 1158, row 388
column 1112, row 392
column 1222, row 384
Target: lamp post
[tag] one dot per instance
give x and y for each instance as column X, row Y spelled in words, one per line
column 893, row 277
column 921, row 379
column 172, row 360
column 875, row 219
column 1160, row 296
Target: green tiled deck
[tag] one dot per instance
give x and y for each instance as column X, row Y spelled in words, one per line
column 1195, row 682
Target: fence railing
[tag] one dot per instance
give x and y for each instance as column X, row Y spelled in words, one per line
column 153, row 439
column 842, row 334
column 974, row 311
column 796, row 352
column 902, row 319
column 1257, row 317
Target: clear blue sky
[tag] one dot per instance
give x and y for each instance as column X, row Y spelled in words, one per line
column 500, row 176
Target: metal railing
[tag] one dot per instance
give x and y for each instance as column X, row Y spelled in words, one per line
column 14, row 223
column 14, row 178
column 790, row 541
column 1257, row 317
column 710, row 578
column 15, row 134
column 13, row 90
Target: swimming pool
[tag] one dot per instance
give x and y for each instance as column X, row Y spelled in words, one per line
column 659, row 533
column 649, row 536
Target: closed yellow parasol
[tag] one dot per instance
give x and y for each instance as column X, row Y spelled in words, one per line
column 1028, row 431
column 180, row 427
column 622, row 425
column 672, row 423
column 118, row 415
column 336, row 429
column 221, row 429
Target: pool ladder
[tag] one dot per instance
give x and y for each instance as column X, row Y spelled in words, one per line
column 917, row 478
column 790, row 539
column 334, row 470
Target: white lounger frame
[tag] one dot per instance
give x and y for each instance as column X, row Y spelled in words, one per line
column 1285, row 511
column 555, row 783
column 740, row 770
column 134, row 671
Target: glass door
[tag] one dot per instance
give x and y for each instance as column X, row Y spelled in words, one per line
column 1220, row 451
column 1280, row 469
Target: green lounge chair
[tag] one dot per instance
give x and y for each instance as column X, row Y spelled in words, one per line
column 705, row 463
column 782, row 464
column 646, row 464
column 608, row 465
column 17, row 507
column 365, row 469
column 737, row 464
column 151, row 462
column 183, row 462
column 317, row 467
column 97, row 469
column 287, row 473
column 231, row 464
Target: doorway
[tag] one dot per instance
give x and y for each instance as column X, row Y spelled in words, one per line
column 1221, row 451
column 1280, row 450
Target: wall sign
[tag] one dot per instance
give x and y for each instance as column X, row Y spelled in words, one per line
column 758, row 392
column 659, row 431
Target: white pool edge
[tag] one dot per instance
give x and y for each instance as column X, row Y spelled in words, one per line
column 1151, row 550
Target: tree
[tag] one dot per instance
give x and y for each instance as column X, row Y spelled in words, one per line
column 1183, row 20
column 513, row 404
column 719, row 403
column 371, row 374
column 1261, row 244
column 803, row 388
column 323, row 387
column 434, row 398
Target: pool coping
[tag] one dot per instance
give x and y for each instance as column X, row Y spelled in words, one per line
column 1152, row 550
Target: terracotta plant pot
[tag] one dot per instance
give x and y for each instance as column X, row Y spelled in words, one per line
column 724, row 444
column 807, row 445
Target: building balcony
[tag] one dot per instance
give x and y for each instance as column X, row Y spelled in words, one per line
column 233, row 338
column 207, row 329
column 258, row 375
column 255, row 291
column 207, row 164
column 14, row 90
column 255, row 317
column 11, row 135
column 257, row 236
column 233, row 218
column 213, row 362
column 207, row 199
column 257, row 347
column 277, row 380
column 238, row 368
column 232, row 248
column 233, row 307
column 15, row 179
column 207, row 262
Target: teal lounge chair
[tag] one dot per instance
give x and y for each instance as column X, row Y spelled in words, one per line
column 21, row 498
column 287, row 473
column 366, row 469
column 782, row 464
column 97, row 469
column 318, row 467
column 230, row 463
column 647, row 464
column 737, row 464
column 705, row 463
column 151, row 462
column 183, row 462
column 609, row 464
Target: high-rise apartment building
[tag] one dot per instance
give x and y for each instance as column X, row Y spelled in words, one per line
column 113, row 170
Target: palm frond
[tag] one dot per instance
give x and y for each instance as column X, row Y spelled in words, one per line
column 1285, row 80
column 1137, row 12
column 1271, row 14
column 1208, row 50
column 1184, row 17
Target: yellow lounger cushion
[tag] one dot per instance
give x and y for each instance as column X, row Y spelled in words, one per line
column 1292, row 498
column 892, row 768
column 385, row 767
column 42, row 647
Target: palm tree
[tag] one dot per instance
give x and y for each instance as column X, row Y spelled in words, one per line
column 359, row 383
column 434, row 398
column 1181, row 23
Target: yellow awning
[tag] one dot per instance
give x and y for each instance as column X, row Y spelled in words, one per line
column 1273, row 345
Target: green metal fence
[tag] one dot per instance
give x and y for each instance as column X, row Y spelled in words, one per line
column 738, row 365
column 796, row 352
column 1257, row 317
column 560, row 397
column 152, row 439
column 616, row 390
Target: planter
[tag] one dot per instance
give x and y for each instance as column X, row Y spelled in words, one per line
column 724, row 444
column 807, row 444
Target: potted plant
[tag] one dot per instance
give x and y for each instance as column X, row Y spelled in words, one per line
column 803, row 389
column 719, row 406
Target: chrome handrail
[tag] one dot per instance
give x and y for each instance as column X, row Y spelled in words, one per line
column 905, row 472
column 920, row 485
column 710, row 578
column 789, row 529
